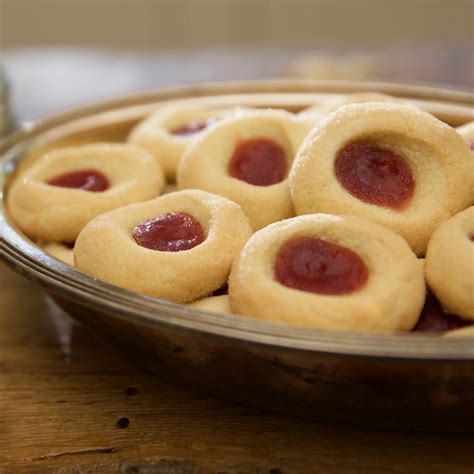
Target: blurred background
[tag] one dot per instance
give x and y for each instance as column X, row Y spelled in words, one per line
column 59, row 53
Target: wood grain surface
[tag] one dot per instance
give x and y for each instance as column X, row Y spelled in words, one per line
column 71, row 403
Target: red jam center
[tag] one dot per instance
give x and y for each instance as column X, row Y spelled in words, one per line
column 434, row 319
column 87, row 180
column 318, row 266
column 375, row 175
column 259, row 161
column 192, row 127
column 172, row 232
column 471, row 145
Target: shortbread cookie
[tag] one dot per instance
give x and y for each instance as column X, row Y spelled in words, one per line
column 217, row 304
column 329, row 272
column 247, row 158
column 55, row 198
column 169, row 188
column 179, row 247
column 435, row 319
column 60, row 250
column 467, row 331
column 467, row 132
column 449, row 265
column 315, row 113
column 390, row 163
column 168, row 132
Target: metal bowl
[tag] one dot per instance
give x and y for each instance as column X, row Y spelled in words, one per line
column 410, row 381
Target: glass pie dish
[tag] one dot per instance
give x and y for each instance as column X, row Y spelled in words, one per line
column 409, row 381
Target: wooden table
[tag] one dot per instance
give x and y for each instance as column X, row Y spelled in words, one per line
column 70, row 403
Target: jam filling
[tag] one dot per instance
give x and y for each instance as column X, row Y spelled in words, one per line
column 192, row 127
column 319, row 266
column 434, row 319
column 172, row 232
column 259, row 161
column 471, row 145
column 87, row 180
column 375, row 175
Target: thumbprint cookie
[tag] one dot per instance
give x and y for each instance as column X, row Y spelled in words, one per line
column 60, row 250
column 247, row 158
column 449, row 264
column 467, row 132
column 387, row 162
column 435, row 319
column 179, row 246
column 56, row 197
column 167, row 132
column 463, row 332
column 315, row 113
column 216, row 304
column 329, row 272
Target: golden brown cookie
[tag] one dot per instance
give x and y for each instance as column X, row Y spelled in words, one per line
column 435, row 319
column 60, row 250
column 167, row 132
column 246, row 158
column 390, row 163
column 329, row 272
column 467, row 331
column 169, row 188
column 467, row 132
column 217, row 304
column 54, row 199
column 315, row 113
column 449, row 264
column 179, row 247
